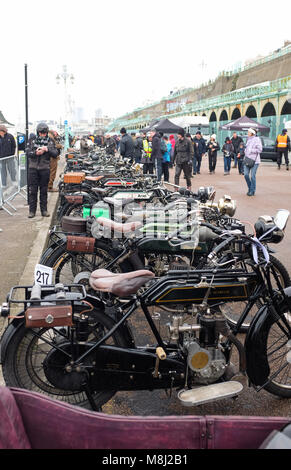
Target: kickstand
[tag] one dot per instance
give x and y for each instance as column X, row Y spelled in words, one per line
column 90, row 398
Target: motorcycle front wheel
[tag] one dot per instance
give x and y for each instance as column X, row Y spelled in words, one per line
column 278, row 351
column 27, row 352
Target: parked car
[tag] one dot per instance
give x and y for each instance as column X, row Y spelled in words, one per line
column 269, row 150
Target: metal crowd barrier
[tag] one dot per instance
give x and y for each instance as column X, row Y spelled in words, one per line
column 13, row 180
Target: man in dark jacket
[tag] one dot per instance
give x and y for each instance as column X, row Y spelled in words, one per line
column 138, row 147
column 39, row 151
column 7, row 149
column 110, row 145
column 199, row 151
column 157, row 156
column 236, row 141
column 126, row 147
column 183, row 158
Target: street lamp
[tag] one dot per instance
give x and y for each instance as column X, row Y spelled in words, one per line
column 67, row 78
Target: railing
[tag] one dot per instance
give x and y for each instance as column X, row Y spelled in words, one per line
column 12, row 180
column 275, row 86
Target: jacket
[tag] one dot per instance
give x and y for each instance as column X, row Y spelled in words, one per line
column 156, row 148
column 7, row 145
column 138, row 146
column 110, row 146
column 254, row 148
column 236, row 142
column 212, row 148
column 147, row 151
column 228, row 149
column 199, row 146
column 40, row 162
column 167, row 154
column 126, row 147
column 283, row 142
column 183, row 151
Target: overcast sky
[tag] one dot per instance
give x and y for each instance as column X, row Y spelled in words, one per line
column 122, row 53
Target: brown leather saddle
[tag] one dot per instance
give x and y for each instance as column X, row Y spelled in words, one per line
column 120, row 285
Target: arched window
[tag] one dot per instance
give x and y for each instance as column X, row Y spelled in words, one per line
column 268, row 110
column 235, row 114
column 223, row 116
column 251, row 112
column 286, row 108
column 213, row 117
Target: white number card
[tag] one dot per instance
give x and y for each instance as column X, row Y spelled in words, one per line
column 43, row 274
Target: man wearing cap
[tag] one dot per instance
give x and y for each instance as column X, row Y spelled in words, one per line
column 126, row 147
column 183, row 158
column 7, row 149
column 283, row 147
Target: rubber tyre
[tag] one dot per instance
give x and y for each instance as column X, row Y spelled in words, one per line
column 17, row 357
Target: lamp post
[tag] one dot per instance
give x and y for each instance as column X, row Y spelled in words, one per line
column 66, row 77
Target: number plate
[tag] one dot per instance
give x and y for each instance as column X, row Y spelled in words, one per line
column 43, row 275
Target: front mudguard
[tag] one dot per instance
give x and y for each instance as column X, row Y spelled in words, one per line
column 256, row 342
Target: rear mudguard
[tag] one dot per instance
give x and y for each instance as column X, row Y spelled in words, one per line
column 9, row 332
column 18, row 322
column 51, row 247
column 256, row 343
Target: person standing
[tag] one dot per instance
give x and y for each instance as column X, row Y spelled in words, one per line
column 146, row 159
column 7, row 149
column 39, row 151
column 54, row 161
column 166, row 159
column 126, row 148
column 172, row 140
column 283, row 147
column 110, row 145
column 212, row 148
column 183, row 158
column 236, row 141
column 138, row 146
column 252, row 151
column 199, row 151
column 228, row 151
column 157, row 156
column 240, row 158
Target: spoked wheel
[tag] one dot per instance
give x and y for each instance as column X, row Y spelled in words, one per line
column 233, row 310
column 67, row 265
column 28, row 353
column 278, row 350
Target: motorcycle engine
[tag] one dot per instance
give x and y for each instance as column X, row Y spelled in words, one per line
column 207, row 365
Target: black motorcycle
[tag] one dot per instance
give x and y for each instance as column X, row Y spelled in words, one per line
column 79, row 348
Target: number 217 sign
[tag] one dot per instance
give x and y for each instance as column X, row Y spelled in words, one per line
column 43, row 274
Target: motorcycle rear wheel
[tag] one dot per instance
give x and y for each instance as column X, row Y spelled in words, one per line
column 26, row 353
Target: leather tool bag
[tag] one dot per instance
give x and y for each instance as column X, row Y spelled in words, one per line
column 80, row 244
column 48, row 316
column 74, row 199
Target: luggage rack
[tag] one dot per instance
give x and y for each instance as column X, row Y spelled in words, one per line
column 39, row 294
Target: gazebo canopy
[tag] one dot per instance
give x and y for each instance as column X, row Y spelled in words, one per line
column 243, row 124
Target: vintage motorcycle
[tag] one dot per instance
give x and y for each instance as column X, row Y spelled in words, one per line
column 80, row 348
